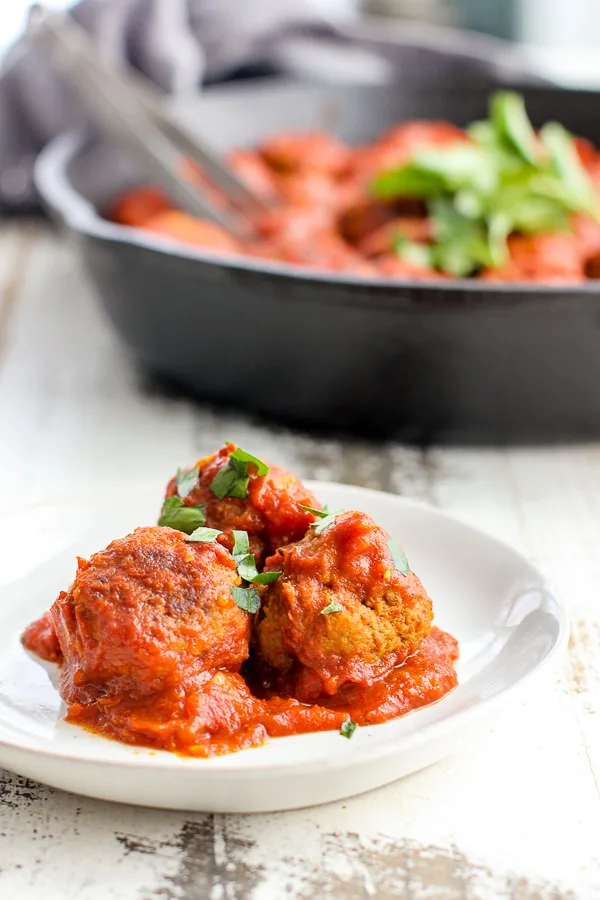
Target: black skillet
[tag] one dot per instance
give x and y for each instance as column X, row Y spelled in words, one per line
column 457, row 361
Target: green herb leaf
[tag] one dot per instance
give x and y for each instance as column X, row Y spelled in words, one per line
column 419, row 255
column 348, row 728
column 204, row 535
column 332, row 607
column 241, row 456
column 480, row 193
column 398, row 558
column 229, row 480
column 175, row 514
column 186, row 481
column 499, row 228
column 569, row 168
column 321, row 513
column 241, row 543
column 512, row 124
column 461, row 246
column 327, row 520
column 233, row 479
column 245, row 562
column 246, row 598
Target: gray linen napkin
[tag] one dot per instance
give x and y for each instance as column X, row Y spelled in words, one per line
column 181, row 44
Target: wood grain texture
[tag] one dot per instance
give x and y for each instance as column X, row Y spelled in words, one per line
column 515, row 815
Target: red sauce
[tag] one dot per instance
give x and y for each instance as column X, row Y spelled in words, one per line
column 40, row 637
column 220, row 712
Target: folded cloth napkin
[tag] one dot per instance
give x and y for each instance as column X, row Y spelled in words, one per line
column 182, row 44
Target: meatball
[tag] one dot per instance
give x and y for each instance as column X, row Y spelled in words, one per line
column 270, row 512
column 340, row 611
column 302, row 151
column 187, row 229
column 150, row 607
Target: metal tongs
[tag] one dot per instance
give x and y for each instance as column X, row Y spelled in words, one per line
column 130, row 110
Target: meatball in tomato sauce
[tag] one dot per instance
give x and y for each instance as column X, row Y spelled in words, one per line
column 340, row 611
column 150, row 607
column 263, row 500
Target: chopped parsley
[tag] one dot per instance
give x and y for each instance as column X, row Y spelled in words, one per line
column 506, row 179
column 398, row 557
column 325, row 522
column 246, row 567
column 246, row 598
column 321, row 513
column 204, row 535
column 186, row 481
column 332, row 607
column 233, row 479
column 175, row 514
column 348, row 728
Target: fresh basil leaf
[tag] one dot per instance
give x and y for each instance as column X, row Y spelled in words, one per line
column 246, row 598
column 204, row 535
column 186, row 481
column 348, row 728
column 241, row 456
column 175, row 514
column 508, row 115
column 398, row 558
column 241, row 543
column 332, row 607
column 321, row 513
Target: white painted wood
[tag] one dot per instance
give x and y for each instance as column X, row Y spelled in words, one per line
column 514, row 815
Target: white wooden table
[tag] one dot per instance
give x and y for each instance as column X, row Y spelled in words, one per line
column 516, row 814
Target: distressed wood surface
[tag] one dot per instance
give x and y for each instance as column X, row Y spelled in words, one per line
column 515, row 814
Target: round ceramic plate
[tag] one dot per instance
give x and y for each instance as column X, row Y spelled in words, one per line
column 508, row 623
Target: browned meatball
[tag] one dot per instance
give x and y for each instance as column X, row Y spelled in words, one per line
column 145, row 610
column 271, row 512
column 341, row 611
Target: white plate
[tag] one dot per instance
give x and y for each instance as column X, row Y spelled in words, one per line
column 507, row 621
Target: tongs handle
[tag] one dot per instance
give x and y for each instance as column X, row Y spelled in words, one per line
column 131, row 111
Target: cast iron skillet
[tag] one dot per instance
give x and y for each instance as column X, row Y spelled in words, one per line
column 456, row 361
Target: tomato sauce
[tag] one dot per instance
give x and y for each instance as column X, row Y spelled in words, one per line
column 220, row 712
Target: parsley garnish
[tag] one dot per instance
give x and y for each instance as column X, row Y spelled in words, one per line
column 246, row 567
column 348, row 728
column 175, row 514
column 398, row 558
column 204, row 535
column 332, row 607
column 326, row 519
column 506, row 179
column 186, row 481
column 246, row 598
column 321, row 513
column 233, row 479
